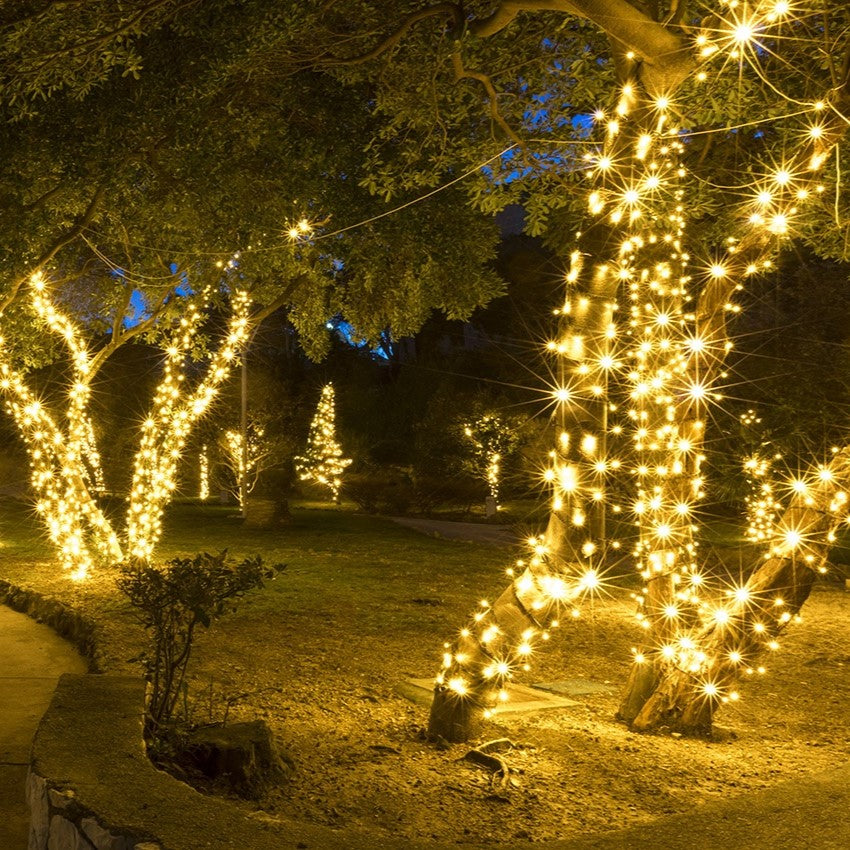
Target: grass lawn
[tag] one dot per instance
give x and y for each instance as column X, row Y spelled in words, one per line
column 365, row 604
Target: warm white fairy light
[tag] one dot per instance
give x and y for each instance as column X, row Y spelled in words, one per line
column 762, row 507
column 668, row 350
column 59, row 455
column 92, row 459
column 244, row 463
column 203, row 473
column 492, row 440
column 64, row 460
column 174, row 413
column 322, row 461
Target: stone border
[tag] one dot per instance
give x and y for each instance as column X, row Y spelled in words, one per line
column 91, row 786
column 65, row 620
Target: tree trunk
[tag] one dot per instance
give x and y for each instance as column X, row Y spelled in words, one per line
column 692, row 665
column 472, row 680
column 498, row 643
column 669, row 694
column 454, row 718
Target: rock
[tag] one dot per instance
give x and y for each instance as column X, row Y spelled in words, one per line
column 102, row 839
column 243, row 755
column 60, row 799
column 39, row 810
column 64, row 836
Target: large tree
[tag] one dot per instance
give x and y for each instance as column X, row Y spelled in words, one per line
column 713, row 127
column 139, row 166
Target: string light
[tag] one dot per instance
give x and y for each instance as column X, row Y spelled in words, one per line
column 244, row 464
column 492, row 440
column 762, row 507
column 174, row 413
column 203, row 474
column 64, row 461
column 666, row 350
column 322, row 460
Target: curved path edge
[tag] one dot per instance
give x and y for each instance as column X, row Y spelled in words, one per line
column 32, row 657
column 69, row 623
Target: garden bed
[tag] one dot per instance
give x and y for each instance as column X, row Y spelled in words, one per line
column 364, row 605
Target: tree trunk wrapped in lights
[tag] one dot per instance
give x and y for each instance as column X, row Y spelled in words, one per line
column 501, row 637
column 62, row 458
column 93, row 466
column 75, row 523
column 702, row 669
column 669, row 353
column 204, row 473
column 62, row 496
column 165, row 431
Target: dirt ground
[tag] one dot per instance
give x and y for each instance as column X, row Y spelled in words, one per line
column 361, row 762
column 321, row 662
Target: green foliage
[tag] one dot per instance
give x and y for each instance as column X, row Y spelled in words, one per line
column 155, row 111
column 171, row 602
column 385, row 490
column 394, row 491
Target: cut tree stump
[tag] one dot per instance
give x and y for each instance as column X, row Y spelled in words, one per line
column 242, row 755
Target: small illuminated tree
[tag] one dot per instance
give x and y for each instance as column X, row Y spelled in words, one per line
column 322, row 461
column 492, row 440
column 244, row 465
column 203, row 473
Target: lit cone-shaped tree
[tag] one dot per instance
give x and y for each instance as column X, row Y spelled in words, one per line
column 322, row 461
column 649, row 318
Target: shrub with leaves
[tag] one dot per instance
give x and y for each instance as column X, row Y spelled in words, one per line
column 171, row 602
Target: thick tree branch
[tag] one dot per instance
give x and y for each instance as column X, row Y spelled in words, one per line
column 61, row 241
column 666, row 57
column 43, row 198
column 462, row 73
column 757, row 243
column 124, row 335
column 451, row 10
column 121, row 312
column 280, row 300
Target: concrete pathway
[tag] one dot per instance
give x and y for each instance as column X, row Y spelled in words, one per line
column 32, row 657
